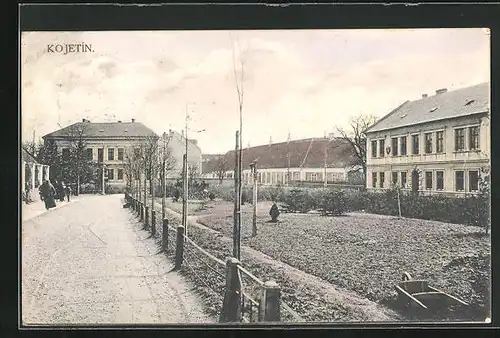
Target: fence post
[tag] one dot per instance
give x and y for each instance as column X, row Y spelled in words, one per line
column 164, row 235
column 179, row 247
column 231, row 308
column 153, row 222
column 146, row 216
column 270, row 301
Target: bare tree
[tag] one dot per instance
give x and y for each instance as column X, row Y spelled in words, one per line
column 192, row 172
column 167, row 165
column 149, row 160
column 355, row 136
column 239, row 80
column 221, row 168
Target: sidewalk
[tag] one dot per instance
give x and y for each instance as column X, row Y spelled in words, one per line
column 37, row 208
column 90, row 262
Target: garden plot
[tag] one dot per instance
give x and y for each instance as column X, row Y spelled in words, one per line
column 368, row 254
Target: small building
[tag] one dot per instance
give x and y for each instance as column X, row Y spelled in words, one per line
column 312, row 160
column 33, row 174
column 440, row 143
column 177, row 143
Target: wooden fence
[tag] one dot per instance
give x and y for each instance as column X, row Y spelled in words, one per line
column 243, row 296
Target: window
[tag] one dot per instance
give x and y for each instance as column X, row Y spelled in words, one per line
column 120, row 154
column 439, row 142
column 394, row 146
column 296, row 176
column 65, row 154
column 137, row 153
column 394, row 178
column 100, row 155
column 473, row 180
column 474, row 138
column 89, row 154
column 403, row 146
column 428, row 180
column 382, row 179
column 374, row 149
column 111, row 174
column 381, row 145
column 403, row 179
column 120, row 174
column 428, row 143
column 439, row 180
column 459, row 180
column 415, row 147
column 459, row 139
column 374, row 179
column 111, row 154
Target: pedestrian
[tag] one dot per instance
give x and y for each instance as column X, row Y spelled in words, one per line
column 48, row 194
column 60, row 191
column 68, row 191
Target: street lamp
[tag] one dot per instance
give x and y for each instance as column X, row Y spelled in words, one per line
column 253, row 169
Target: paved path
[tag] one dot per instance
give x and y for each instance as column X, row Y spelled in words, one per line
column 89, row 263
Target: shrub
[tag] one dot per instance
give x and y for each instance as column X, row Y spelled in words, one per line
column 274, row 213
column 299, row 200
column 114, row 189
column 333, row 202
column 87, row 188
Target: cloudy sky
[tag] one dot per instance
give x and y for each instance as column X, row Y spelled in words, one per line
column 298, row 82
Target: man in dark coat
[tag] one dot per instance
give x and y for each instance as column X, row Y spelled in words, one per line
column 48, row 192
column 61, row 191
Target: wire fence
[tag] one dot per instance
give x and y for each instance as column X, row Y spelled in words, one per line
column 207, row 271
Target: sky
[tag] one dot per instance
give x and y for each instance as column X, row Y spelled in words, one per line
column 301, row 83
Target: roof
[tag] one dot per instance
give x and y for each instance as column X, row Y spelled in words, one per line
column 108, row 129
column 339, row 155
column 26, row 157
column 456, row 103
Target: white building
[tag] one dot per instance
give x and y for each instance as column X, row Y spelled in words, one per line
column 108, row 143
column 299, row 161
column 446, row 137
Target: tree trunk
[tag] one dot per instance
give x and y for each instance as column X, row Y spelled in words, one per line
column 78, row 186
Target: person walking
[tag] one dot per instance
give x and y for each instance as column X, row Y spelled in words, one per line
column 67, row 191
column 48, row 193
column 61, row 191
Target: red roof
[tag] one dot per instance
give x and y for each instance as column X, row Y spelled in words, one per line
column 310, row 153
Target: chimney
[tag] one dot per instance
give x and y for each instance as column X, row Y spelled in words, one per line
column 133, row 120
column 441, row 91
column 195, row 142
column 424, row 96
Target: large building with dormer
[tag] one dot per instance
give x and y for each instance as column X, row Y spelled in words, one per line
column 445, row 137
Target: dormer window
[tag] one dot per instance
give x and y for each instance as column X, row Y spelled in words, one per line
column 469, row 101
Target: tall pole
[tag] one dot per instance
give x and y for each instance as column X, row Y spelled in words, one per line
column 164, row 183
column 325, row 178
column 186, row 194
column 103, row 179
column 184, row 199
column 236, row 243
column 254, row 217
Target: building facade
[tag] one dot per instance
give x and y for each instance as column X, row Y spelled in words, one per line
column 440, row 143
column 177, row 143
column 109, row 143
column 313, row 160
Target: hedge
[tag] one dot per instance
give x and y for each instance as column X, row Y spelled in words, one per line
column 470, row 210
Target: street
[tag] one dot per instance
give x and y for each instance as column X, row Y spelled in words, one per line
column 89, row 262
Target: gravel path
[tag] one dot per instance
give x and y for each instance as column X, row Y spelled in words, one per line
column 90, row 263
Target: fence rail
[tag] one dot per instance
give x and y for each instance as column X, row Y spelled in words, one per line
column 240, row 301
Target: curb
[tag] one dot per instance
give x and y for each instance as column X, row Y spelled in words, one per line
column 45, row 211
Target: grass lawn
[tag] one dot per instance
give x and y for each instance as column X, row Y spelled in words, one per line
column 368, row 253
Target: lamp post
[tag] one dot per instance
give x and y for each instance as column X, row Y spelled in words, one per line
column 253, row 169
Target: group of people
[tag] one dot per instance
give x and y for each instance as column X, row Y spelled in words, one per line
column 50, row 193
